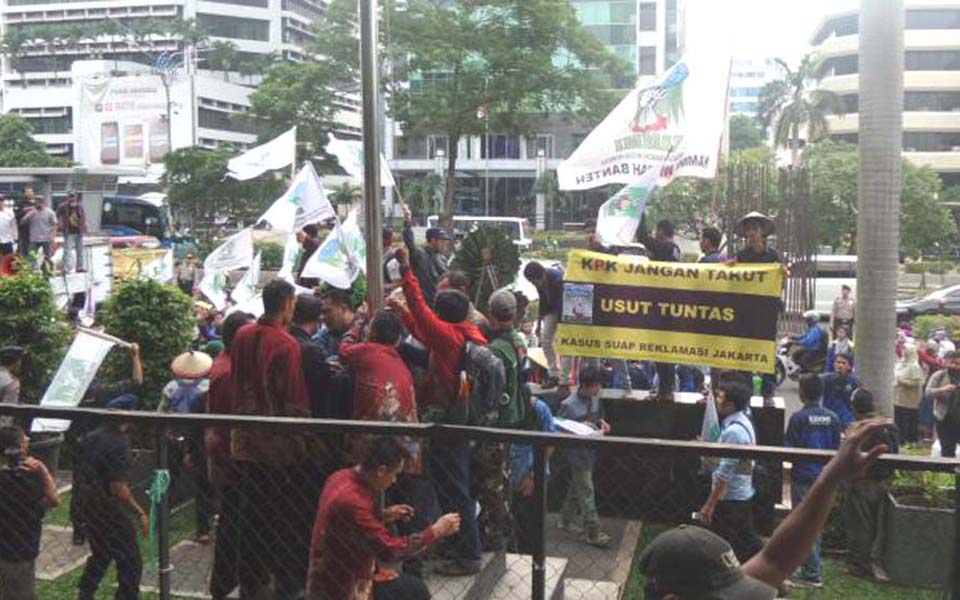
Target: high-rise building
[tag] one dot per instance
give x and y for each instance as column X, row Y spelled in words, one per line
column 497, row 172
column 931, row 81
column 37, row 81
column 747, row 78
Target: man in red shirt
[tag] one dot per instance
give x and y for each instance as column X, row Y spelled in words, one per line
column 222, row 471
column 445, row 334
column 384, row 391
column 350, row 533
column 279, row 478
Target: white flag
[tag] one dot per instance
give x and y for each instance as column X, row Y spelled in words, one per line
column 275, row 154
column 619, row 217
column 246, row 289
column 710, row 431
column 291, row 254
column 235, row 253
column 341, row 257
column 305, row 201
column 350, row 155
column 253, row 306
column 160, row 269
column 212, row 286
column 680, row 114
column 73, row 378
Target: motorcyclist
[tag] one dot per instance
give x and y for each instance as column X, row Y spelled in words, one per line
column 811, row 347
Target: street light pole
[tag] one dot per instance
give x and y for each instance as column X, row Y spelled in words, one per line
column 371, row 151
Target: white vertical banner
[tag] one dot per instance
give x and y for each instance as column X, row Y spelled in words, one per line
column 160, row 269
column 341, row 257
column 234, row 253
column 69, row 385
column 246, row 289
column 213, row 287
column 619, row 217
column 291, row 254
column 676, row 119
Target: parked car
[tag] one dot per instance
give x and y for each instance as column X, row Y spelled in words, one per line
column 944, row 301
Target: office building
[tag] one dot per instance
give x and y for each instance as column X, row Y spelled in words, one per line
column 747, row 78
column 931, row 81
column 37, row 83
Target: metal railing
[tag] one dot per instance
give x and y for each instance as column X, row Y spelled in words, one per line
column 624, row 467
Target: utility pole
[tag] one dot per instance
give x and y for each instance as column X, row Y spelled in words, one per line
column 371, row 151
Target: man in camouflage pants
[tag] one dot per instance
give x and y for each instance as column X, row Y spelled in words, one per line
column 491, row 459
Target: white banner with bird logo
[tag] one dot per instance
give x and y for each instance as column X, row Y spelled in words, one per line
column 341, row 257
column 74, row 376
column 676, row 119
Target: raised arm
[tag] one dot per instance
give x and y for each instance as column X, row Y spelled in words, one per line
column 426, row 322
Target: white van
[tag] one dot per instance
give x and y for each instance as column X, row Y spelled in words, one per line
column 516, row 228
column 833, row 272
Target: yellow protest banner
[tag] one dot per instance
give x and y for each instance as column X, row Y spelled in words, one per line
column 698, row 314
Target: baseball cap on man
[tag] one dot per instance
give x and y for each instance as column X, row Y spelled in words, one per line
column 436, row 233
column 692, row 562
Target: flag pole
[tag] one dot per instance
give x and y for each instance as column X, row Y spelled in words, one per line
column 105, row 336
column 370, row 79
column 724, row 134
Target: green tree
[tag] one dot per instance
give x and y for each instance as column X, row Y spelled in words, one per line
column 834, row 168
column 745, row 132
column 421, row 193
column 200, row 193
column 792, row 102
column 345, row 194
column 29, row 318
column 223, row 56
column 18, row 148
column 306, row 94
column 926, row 225
column 506, row 59
column 157, row 317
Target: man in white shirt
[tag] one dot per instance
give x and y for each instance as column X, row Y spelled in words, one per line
column 8, row 229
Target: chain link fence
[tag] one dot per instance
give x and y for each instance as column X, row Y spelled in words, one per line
column 559, row 516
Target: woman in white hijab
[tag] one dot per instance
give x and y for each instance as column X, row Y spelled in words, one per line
column 909, row 395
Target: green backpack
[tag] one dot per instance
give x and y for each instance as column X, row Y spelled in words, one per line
column 512, row 409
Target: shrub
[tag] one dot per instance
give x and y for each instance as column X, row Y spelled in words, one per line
column 157, row 317
column 271, row 255
column 29, row 318
column 925, row 325
column 936, row 267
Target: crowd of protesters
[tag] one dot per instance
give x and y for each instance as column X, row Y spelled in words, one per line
column 344, row 517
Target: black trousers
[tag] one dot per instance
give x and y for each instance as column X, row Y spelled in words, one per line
column 403, row 587
column 226, row 553
column 906, row 420
column 523, row 508
column 667, row 377
column 416, row 491
column 276, row 519
column 949, row 435
column 733, row 521
column 113, row 538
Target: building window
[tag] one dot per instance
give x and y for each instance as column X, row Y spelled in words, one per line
column 648, row 16
column 500, row 146
column 931, row 141
column 743, row 107
column 540, row 142
column 851, row 103
column 932, row 101
column 225, row 121
column 840, row 65
column 304, row 8
column 648, row 60
column 850, row 138
column 933, row 19
column 437, row 142
column 257, row 3
column 747, row 92
column 235, row 27
column 937, row 60
column 613, row 35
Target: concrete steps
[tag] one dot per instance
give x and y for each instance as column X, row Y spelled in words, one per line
column 503, row 577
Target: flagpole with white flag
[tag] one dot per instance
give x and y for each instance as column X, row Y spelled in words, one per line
column 620, row 216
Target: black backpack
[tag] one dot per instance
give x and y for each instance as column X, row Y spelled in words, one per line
column 482, row 386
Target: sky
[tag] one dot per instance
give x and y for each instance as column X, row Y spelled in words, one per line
column 758, row 28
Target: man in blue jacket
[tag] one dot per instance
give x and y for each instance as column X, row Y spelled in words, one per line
column 812, row 345
column 838, row 388
column 816, row 428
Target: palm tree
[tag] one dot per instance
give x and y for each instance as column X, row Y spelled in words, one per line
column 792, row 102
column 878, row 220
column 223, row 57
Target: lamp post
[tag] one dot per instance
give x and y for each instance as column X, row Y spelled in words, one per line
column 370, row 77
column 440, row 157
column 541, row 221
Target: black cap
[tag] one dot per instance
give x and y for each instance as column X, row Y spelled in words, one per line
column 10, row 354
column 71, row 193
column 692, row 562
column 436, row 233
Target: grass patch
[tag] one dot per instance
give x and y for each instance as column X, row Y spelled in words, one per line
column 181, row 527
column 837, row 585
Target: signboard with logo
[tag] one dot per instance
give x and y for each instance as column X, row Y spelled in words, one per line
column 675, row 120
column 698, row 314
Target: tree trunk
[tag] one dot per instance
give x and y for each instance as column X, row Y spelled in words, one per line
column 450, row 192
column 794, row 144
column 878, row 221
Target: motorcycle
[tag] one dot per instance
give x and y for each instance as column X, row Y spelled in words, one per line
column 786, row 367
